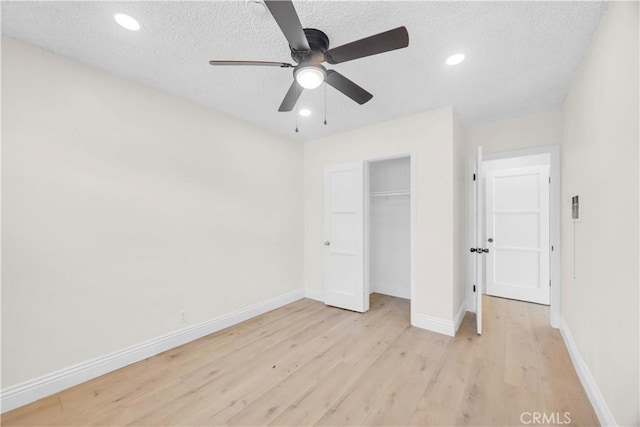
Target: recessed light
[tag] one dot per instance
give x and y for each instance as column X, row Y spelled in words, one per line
column 127, row 22
column 305, row 112
column 455, row 59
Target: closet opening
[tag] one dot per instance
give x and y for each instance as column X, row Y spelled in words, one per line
column 388, row 227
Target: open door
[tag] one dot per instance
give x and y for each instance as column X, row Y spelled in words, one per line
column 517, row 226
column 478, row 240
column 344, row 237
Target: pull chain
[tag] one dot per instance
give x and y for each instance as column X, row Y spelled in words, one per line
column 325, row 103
column 295, row 111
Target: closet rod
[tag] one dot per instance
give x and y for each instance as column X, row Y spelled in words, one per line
column 390, row 193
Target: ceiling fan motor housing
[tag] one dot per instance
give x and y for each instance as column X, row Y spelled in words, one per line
column 319, row 44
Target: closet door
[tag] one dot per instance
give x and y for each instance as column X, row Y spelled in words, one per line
column 344, row 236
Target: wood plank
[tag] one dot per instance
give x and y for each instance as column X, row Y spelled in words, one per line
column 440, row 401
column 346, row 350
column 401, row 397
column 519, row 402
column 108, row 391
column 309, row 408
column 559, row 382
column 151, row 392
column 309, row 364
column 521, row 368
column 483, row 403
column 358, row 401
column 200, row 395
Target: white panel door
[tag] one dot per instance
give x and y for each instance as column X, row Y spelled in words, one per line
column 476, row 251
column 518, row 233
column 344, row 237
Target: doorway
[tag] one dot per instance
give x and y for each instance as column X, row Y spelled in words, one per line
column 524, row 236
column 389, row 227
column 369, row 223
column 516, row 214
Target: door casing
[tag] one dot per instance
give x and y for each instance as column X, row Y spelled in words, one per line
column 554, row 224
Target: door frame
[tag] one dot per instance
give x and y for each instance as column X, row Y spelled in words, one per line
column 412, row 220
column 554, row 224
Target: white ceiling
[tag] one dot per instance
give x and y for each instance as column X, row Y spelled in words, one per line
column 520, row 56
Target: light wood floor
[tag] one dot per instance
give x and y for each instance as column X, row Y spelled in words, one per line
column 308, row 364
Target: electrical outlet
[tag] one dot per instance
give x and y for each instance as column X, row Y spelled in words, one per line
column 183, row 316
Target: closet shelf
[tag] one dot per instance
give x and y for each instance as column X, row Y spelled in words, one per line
column 390, row 193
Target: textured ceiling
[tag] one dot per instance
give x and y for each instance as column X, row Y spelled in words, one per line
column 520, row 56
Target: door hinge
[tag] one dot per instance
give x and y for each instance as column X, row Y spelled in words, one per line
column 474, row 176
column 551, row 248
column 474, row 288
column 549, row 283
column 549, row 180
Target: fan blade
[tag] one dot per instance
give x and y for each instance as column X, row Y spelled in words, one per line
column 266, row 63
column 287, row 19
column 373, row 45
column 290, row 99
column 347, row 87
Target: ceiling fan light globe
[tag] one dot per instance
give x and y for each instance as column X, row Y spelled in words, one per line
column 310, row 77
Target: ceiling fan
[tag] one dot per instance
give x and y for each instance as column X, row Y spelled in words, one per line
column 310, row 48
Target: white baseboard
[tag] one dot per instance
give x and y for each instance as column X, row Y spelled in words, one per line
column 314, row 294
column 391, row 290
column 434, row 324
column 46, row 385
column 605, row 416
column 441, row 326
column 457, row 319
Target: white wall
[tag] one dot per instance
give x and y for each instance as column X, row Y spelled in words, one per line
column 460, row 246
column 390, row 227
column 123, row 206
column 510, row 135
column 390, row 175
column 599, row 163
column 543, row 159
column 428, row 136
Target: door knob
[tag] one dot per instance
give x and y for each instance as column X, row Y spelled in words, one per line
column 490, row 239
column 472, row 249
column 327, row 243
column 485, row 250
